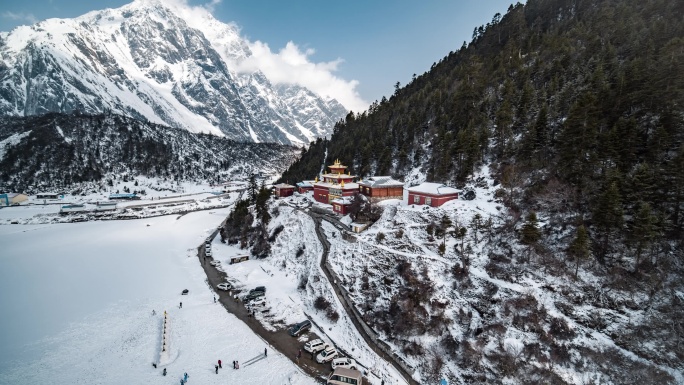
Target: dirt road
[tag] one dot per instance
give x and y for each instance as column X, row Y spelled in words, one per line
column 279, row 340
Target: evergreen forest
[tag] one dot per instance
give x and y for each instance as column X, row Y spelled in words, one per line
column 576, row 105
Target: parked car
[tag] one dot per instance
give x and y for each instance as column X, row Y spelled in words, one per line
column 326, row 355
column 343, row 362
column 224, row 286
column 315, row 346
column 253, row 295
column 215, row 263
column 185, row 292
column 299, row 328
column 259, row 288
column 207, row 252
column 260, row 301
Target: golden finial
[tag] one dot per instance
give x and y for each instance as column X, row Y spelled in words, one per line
column 316, row 180
column 342, row 183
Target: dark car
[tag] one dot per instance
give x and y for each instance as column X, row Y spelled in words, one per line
column 253, row 294
column 259, row 288
column 299, row 328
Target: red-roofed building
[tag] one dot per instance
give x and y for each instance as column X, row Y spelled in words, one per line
column 283, row 190
column 381, row 187
column 431, row 194
column 305, row 186
column 341, row 205
column 335, row 184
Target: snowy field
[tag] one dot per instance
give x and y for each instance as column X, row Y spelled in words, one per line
column 160, row 198
column 78, row 301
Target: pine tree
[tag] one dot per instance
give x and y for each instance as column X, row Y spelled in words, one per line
column 530, row 233
column 608, row 215
column 252, row 189
column 476, row 224
column 579, row 248
column 643, row 231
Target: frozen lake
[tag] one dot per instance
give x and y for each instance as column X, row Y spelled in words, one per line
column 78, row 301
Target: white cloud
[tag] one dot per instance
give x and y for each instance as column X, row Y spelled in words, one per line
column 292, row 65
column 211, row 5
column 28, row 17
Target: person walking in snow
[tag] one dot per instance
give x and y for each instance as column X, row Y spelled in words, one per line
column 216, row 366
column 181, row 305
column 185, row 376
column 164, row 372
column 219, row 362
column 265, row 353
column 214, row 299
column 182, row 382
column 153, row 312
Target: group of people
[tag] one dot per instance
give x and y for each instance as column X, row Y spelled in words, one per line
column 236, row 365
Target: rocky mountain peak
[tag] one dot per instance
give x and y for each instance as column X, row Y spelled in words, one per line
column 160, row 62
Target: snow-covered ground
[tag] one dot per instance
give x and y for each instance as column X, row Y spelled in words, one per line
column 295, row 259
column 77, row 301
column 160, row 198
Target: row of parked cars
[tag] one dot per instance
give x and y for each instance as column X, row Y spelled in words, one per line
column 325, row 352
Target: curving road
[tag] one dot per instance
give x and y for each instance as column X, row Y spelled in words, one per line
column 354, row 315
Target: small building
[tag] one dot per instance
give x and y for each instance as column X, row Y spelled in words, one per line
column 344, row 376
column 125, row 197
column 105, row 206
column 359, row 227
column 283, row 190
column 335, row 184
column 431, row 194
column 47, row 196
column 381, row 187
column 341, row 205
column 71, row 208
column 305, row 186
column 12, row 199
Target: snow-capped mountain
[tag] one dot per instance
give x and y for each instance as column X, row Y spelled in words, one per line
column 164, row 63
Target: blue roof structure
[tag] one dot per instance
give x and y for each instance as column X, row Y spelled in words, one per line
column 123, row 196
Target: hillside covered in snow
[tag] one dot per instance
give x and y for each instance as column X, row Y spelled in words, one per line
column 456, row 294
column 61, row 151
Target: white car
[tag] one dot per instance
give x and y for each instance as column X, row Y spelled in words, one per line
column 215, row 263
column 326, row 355
column 344, row 362
column 224, row 286
column 259, row 301
column 207, row 252
column 315, row 346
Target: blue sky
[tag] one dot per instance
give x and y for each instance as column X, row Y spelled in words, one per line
column 377, row 42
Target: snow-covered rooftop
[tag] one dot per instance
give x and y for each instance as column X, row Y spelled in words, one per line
column 343, row 201
column 381, row 181
column 433, row 188
column 305, row 183
column 283, row 185
column 346, row 186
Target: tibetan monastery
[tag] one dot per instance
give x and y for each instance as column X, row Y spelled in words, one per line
column 335, row 184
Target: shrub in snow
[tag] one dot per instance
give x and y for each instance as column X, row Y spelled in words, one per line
column 321, row 303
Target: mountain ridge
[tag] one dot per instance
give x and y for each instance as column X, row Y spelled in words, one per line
column 63, row 150
column 150, row 61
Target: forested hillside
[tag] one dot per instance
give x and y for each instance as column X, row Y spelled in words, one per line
column 581, row 100
column 55, row 150
column 575, row 109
